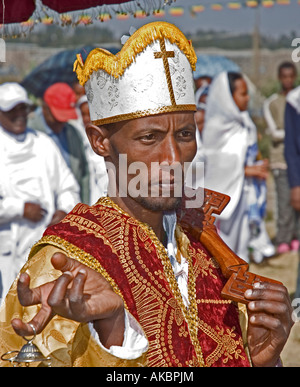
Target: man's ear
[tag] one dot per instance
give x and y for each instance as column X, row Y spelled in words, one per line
column 98, row 139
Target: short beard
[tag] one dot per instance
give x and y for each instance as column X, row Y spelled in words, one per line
column 159, row 204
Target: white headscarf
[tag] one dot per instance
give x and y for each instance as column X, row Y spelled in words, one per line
column 225, row 140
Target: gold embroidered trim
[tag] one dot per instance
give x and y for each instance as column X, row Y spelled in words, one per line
column 117, row 64
column 144, row 113
column 80, row 255
column 202, row 301
column 190, row 313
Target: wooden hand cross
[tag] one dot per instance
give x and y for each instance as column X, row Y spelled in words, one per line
column 200, row 223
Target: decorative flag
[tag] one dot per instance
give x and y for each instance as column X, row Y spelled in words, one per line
column 252, row 3
column 176, row 11
column 66, row 19
column 47, row 21
column 122, row 16
column 217, row 7
column 267, row 3
column 159, row 13
column 234, row 5
column 140, row 14
column 85, row 20
column 103, row 17
column 198, row 8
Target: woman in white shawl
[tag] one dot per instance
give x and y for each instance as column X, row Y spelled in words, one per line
column 230, row 147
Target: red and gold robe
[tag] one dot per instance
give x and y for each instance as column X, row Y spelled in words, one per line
column 132, row 259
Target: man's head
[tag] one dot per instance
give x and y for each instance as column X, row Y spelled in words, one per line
column 142, row 106
column 59, row 105
column 287, row 75
column 155, row 150
column 14, row 107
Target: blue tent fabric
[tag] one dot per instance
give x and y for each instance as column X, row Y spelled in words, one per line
column 212, row 65
column 57, row 68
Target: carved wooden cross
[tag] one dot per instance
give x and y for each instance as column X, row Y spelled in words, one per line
column 164, row 55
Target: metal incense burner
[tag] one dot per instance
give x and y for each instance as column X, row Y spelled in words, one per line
column 28, row 354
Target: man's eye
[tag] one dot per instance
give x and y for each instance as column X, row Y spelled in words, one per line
column 186, row 134
column 148, row 137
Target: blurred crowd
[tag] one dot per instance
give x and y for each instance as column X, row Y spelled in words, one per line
column 48, row 165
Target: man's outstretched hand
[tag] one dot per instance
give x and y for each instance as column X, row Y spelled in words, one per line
column 79, row 294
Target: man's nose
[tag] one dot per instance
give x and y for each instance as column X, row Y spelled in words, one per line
column 170, row 152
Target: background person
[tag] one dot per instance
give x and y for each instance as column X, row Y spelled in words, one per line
column 274, row 110
column 97, row 169
column 292, row 155
column 59, row 106
column 36, row 186
column 230, row 149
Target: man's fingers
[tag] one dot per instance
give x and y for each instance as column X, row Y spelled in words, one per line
column 76, row 294
column 40, row 320
column 63, row 263
column 269, row 307
column 26, row 295
column 268, row 291
column 57, row 298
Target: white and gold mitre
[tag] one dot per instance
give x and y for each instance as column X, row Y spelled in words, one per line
column 152, row 74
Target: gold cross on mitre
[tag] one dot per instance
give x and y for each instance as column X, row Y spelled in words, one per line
column 164, row 55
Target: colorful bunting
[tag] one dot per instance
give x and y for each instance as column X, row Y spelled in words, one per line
column 267, row 3
column 140, row 14
column 234, row 5
column 198, row 8
column 176, row 11
column 122, row 16
column 216, row 7
column 252, row 3
column 161, row 13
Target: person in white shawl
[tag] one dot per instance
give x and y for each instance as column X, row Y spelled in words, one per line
column 230, row 146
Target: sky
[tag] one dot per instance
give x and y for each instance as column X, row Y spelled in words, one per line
column 275, row 21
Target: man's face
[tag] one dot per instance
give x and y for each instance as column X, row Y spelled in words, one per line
column 15, row 120
column 52, row 122
column 152, row 143
column 287, row 78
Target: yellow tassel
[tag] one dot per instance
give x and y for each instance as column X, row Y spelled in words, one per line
column 115, row 65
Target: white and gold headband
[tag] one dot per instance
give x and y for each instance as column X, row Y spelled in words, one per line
column 152, row 74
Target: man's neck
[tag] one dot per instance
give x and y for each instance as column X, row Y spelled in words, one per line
column 286, row 91
column 153, row 218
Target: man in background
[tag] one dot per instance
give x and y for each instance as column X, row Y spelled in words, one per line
column 274, row 109
column 292, row 155
column 52, row 118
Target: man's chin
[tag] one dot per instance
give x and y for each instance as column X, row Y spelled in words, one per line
column 157, row 204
